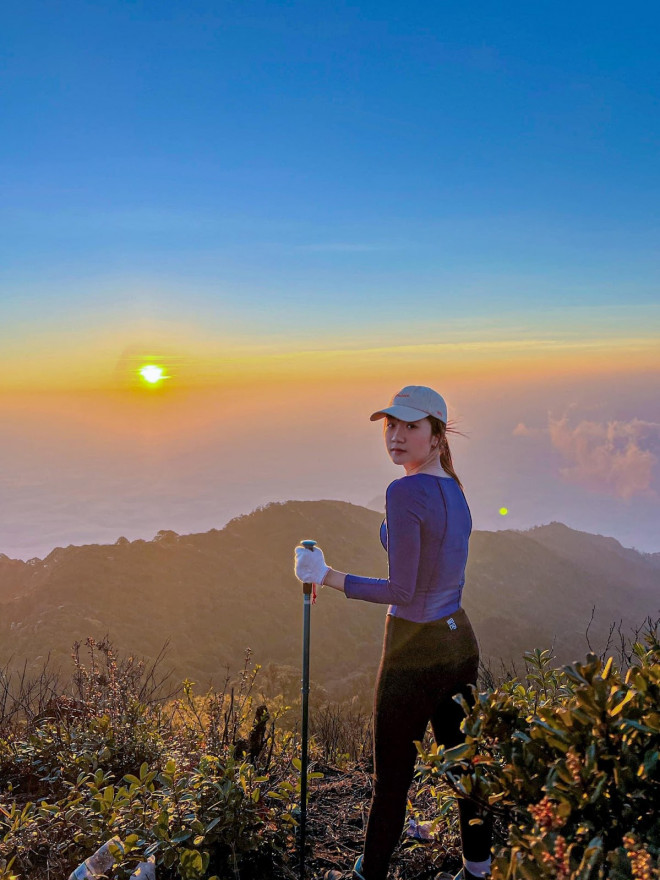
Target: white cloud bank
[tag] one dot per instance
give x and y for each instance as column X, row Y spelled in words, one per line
column 615, row 458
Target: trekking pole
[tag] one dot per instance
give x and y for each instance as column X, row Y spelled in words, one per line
column 307, row 603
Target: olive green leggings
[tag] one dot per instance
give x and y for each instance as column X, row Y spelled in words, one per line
column 423, row 666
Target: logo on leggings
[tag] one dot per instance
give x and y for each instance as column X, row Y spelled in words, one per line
column 451, row 623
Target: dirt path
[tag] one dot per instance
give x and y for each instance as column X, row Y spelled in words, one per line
column 337, row 816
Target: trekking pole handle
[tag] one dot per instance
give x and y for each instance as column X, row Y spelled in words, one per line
column 308, row 545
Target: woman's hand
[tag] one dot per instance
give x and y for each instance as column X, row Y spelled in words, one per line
column 311, row 566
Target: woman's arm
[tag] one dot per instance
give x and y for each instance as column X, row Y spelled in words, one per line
column 405, row 507
column 334, row 579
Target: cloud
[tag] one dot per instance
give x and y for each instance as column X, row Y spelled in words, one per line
column 522, row 430
column 616, row 458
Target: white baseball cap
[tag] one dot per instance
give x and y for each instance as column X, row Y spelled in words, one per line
column 412, row 403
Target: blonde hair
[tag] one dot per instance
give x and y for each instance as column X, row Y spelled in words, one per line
column 439, row 429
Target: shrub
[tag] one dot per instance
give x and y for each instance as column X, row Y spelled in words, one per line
column 185, row 780
column 342, row 733
column 568, row 761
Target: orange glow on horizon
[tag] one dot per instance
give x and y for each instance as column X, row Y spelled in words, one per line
column 518, row 361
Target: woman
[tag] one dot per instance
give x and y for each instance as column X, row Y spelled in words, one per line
column 429, row 651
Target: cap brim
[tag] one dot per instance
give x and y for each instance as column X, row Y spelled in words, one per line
column 403, row 413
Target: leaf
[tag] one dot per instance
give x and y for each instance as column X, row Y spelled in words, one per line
column 555, row 733
column 649, row 765
column 636, row 725
column 457, row 753
column 598, row 790
column 181, row 836
column 49, row 808
column 628, row 697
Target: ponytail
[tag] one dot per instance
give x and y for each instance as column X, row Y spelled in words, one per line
column 439, row 429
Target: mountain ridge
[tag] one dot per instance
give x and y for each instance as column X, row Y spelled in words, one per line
column 214, row 594
column 171, row 535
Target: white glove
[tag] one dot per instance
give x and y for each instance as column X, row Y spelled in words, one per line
column 310, row 565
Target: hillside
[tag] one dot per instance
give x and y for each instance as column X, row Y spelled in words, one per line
column 212, row 595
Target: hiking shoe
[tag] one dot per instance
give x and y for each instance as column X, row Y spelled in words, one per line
column 356, row 874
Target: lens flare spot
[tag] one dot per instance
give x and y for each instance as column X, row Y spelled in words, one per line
column 152, row 374
column 504, row 511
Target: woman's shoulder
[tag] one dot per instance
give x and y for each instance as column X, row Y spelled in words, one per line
column 422, row 487
column 408, row 487
column 398, row 486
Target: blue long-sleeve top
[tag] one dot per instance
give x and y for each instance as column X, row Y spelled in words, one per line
column 426, row 531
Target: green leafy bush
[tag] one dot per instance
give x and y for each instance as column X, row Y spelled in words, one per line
column 184, row 780
column 568, row 761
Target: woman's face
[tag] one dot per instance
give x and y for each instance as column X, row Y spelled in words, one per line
column 409, row 443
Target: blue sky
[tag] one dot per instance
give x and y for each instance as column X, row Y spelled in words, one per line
column 256, row 180
column 324, row 153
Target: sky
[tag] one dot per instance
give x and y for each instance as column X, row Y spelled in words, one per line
column 297, row 209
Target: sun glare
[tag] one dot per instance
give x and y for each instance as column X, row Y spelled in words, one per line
column 504, row 511
column 152, row 374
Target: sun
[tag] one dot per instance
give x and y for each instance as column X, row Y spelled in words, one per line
column 152, row 374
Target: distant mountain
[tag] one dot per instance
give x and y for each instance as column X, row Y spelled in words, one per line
column 653, row 558
column 603, row 555
column 13, row 577
column 377, row 503
column 546, row 583
column 215, row 594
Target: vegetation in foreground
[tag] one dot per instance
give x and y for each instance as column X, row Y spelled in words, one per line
column 568, row 760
